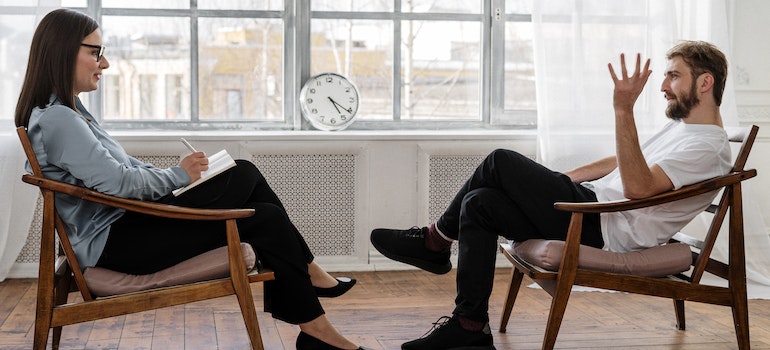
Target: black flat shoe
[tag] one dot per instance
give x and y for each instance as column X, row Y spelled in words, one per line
column 308, row 342
column 343, row 285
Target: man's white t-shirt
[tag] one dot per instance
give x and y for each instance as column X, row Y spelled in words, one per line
column 687, row 153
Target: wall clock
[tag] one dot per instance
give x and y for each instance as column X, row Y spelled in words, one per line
column 329, row 101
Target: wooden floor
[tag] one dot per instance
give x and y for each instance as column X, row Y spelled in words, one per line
column 386, row 309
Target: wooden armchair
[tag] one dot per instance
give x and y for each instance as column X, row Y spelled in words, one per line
column 680, row 287
column 59, row 268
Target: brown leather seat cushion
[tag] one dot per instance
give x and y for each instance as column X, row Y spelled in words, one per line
column 658, row 261
column 207, row 266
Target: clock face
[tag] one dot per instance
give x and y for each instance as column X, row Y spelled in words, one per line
column 329, row 101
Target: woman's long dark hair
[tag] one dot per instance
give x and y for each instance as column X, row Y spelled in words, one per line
column 52, row 58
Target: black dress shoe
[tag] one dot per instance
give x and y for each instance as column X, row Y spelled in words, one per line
column 308, row 342
column 343, row 285
column 408, row 246
column 448, row 334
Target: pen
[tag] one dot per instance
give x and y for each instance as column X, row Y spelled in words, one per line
column 188, row 145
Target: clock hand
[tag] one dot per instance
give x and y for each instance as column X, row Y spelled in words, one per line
column 349, row 110
column 334, row 104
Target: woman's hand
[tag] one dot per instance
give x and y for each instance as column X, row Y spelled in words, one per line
column 193, row 164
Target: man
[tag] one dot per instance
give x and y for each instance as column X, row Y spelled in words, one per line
column 512, row 196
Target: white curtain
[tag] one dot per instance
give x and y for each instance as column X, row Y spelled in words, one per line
column 574, row 41
column 18, row 199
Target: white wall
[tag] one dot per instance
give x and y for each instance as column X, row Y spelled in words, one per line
column 749, row 69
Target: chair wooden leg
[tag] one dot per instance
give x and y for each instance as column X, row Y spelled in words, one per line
column 46, row 277
column 513, row 290
column 56, row 338
column 555, row 316
column 62, row 289
column 44, row 313
column 242, row 287
column 740, row 306
column 42, row 321
column 564, row 281
column 741, row 320
column 737, row 272
column 249, row 313
column 679, row 310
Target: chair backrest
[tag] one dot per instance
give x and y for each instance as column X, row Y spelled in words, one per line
column 29, row 151
column 702, row 261
column 745, row 136
column 65, row 246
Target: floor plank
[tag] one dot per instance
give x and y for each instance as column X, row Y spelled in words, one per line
column 388, row 308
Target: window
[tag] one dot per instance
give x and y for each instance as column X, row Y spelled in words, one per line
column 239, row 64
column 147, row 101
column 174, row 97
column 112, row 101
column 234, row 104
column 518, row 85
column 14, row 50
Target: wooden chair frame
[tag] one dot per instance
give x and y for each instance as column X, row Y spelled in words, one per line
column 57, row 271
column 679, row 288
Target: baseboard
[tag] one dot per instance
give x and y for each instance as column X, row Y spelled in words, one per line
column 24, row 270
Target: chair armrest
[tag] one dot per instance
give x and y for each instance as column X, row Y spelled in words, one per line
column 665, row 197
column 144, row 207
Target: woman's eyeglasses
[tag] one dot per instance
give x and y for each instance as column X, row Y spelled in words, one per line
column 101, row 50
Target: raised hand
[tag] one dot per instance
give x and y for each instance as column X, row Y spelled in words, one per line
column 628, row 88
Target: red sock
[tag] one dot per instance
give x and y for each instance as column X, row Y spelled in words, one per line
column 434, row 241
column 470, row 325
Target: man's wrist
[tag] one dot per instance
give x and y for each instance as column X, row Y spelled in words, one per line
column 624, row 113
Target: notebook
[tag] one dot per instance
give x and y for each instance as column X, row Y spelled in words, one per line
column 218, row 163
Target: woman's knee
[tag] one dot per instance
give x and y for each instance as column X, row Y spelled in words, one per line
column 269, row 220
column 268, row 213
column 247, row 169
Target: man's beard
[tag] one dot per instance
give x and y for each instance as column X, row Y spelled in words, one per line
column 680, row 108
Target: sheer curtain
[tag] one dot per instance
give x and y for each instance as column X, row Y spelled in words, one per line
column 574, row 41
column 18, row 199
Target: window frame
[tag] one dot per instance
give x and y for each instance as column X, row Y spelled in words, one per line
column 297, row 17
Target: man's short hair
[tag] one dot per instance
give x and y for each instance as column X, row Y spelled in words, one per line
column 703, row 57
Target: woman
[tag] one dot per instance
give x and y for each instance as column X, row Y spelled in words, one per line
column 67, row 58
